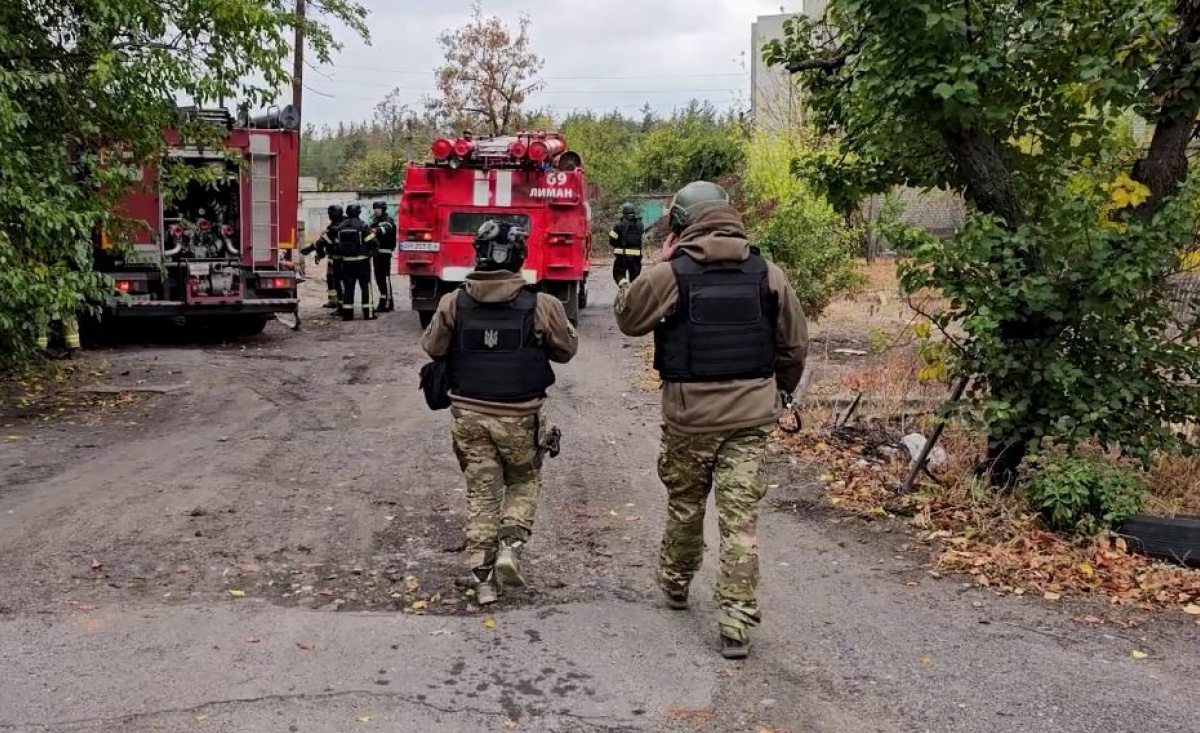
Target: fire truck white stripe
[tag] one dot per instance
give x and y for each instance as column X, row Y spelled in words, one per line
column 504, row 180
column 482, row 189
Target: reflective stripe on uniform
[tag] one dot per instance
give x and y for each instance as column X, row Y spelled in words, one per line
column 354, row 259
column 628, row 252
column 613, row 235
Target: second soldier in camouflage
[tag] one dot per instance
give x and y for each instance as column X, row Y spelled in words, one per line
column 729, row 338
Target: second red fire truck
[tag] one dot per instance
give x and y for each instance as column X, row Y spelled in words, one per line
column 531, row 179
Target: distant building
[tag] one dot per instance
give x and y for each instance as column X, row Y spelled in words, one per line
column 774, row 97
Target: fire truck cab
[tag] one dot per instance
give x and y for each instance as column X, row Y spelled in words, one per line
column 530, row 179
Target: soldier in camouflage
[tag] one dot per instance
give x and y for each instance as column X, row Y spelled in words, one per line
column 499, row 338
column 730, row 342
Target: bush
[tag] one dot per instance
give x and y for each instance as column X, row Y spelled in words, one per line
column 1083, row 494
column 811, row 243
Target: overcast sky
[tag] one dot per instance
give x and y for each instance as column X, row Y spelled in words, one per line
column 600, row 54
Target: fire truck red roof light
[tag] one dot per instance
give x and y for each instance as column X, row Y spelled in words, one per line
column 518, row 149
column 463, row 148
column 442, row 148
column 124, row 285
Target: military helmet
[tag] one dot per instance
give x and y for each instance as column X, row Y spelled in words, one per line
column 628, row 210
column 691, row 196
column 500, row 245
column 336, row 213
column 353, row 211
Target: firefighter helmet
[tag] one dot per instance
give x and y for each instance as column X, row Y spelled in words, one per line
column 353, row 211
column 379, row 206
column 628, row 210
column 500, row 246
column 691, row 196
column 336, row 213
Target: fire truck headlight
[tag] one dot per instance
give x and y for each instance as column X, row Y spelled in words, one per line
column 442, row 149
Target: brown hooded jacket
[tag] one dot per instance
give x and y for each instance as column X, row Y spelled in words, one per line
column 717, row 234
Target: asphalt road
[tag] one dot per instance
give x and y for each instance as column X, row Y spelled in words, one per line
column 244, row 553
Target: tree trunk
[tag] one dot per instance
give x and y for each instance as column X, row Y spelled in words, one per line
column 989, row 180
column 1175, row 88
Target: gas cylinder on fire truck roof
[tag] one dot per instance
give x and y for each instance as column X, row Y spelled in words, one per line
column 521, row 150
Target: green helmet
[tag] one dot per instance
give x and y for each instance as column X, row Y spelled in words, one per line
column 691, row 196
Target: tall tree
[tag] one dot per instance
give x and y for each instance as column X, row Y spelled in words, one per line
column 1059, row 278
column 80, row 81
column 488, row 75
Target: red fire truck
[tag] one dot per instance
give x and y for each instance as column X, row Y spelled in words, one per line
column 530, row 179
column 220, row 253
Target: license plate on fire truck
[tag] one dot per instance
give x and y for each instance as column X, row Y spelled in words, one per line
column 420, row 246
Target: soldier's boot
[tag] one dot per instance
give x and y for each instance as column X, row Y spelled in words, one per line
column 485, row 590
column 734, row 648
column 383, row 306
column 508, row 564
column 676, row 601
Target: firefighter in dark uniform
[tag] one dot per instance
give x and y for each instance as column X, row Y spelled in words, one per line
column 500, row 338
column 356, row 247
column 626, row 241
column 384, row 228
column 325, row 247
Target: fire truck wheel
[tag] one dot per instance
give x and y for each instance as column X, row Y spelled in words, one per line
column 583, row 295
column 573, row 302
column 246, row 325
column 426, row 318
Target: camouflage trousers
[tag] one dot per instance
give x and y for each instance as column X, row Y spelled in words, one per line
column 503, row 467
column 690, row 466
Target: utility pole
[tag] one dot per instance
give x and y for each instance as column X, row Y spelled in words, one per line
column 298, row 68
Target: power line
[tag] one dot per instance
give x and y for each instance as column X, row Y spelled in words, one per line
column 430, row 72
column 423, row 90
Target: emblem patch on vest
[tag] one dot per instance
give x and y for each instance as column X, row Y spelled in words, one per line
column 491, row 339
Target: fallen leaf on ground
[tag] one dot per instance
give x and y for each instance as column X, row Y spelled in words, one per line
column 420, row 605
column 489, row 623
column 1192, row 609
column 97, row 563
column 238, row 593
column 303, row 647
column 1052, row 596
column 510, row 724
column 11, row 438
column 252, row 640
column 201, row 718
column 411, row 584
column 1137, row 654
column 364, row 719
column 1087, row 569
column 926, row 660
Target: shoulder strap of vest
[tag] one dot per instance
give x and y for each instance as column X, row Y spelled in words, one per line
column 465, row 301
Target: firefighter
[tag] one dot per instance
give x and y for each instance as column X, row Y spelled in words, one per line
column 500, row 338
column 324, row 247
column 67, row 329
column 384, row 228
column 626, row 241
column 730, row 343
column 356, row 247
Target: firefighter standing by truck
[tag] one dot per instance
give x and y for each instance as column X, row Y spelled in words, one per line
column 356, row 247
column 384, row 228
column 626, row 239
column 500, row 338
column 325, row 246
